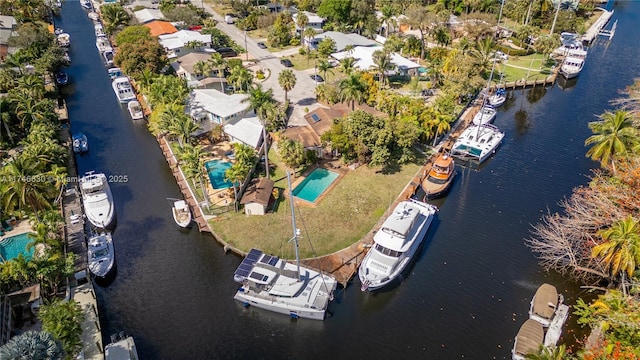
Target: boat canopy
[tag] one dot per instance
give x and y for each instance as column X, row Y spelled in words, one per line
column 529, row 338
column 545, row 301
column 400, row 222
column 180, row 204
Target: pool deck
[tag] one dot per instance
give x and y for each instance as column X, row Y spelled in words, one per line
column 21, row 227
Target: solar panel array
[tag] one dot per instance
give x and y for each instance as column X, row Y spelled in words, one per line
column 247, row 263
column 269, row 259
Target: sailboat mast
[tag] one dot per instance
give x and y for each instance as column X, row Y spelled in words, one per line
column 293, row 224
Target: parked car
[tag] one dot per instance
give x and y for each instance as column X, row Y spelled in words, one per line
column 262, row 45
column 226, row 52
column 501, row 55
column 286, row 62
column 317, row 78
column 229, row 19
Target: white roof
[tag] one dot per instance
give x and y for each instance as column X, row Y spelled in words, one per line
column 178, row 39
column 215, row 102
column 7, row 22
column 364, row 58
column 146, row 15
column 342, row 39
column 313, row 18
column 247, row 130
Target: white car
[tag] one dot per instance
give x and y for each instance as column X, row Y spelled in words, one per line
column 502, row 55
column 228, row 19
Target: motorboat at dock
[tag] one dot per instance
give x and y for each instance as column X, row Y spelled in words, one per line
column 440, row 177
column 100, row 254
column 181, row 213
column 97, row 199
column 123, row 89
column 135, row 110
column 485, row 115
column 80, row 143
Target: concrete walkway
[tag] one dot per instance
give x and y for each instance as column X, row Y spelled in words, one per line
column 91, row 332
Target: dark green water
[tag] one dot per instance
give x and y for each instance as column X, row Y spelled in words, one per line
column 465, row 297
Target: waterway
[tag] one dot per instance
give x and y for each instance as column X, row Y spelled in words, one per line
column 467, row 293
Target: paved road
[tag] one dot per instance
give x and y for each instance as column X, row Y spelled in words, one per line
column 302, row 95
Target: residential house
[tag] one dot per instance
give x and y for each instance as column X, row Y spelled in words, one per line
column 8, row 25
column 364, row 60
column 315, row 22
column 147, row 15
column 210, row 106
column 247, row 130
column 159, row 27
column 182, row 42
column 395, row 24
column 342, row 40
column 257, row 196
column 184, row 67
column 319, row 121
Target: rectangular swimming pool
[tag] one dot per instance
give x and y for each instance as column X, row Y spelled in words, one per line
column 216, row 169
column 315, row 184
column 13, row 246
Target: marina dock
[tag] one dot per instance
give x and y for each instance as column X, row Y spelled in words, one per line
column 597, row 26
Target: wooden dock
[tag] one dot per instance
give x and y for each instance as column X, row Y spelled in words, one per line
column 61, row 110
column 597, row 26
column 185, row 189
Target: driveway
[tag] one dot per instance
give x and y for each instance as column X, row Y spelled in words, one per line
column 303, row 94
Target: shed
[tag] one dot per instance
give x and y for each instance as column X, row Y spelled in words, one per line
column 257, row 196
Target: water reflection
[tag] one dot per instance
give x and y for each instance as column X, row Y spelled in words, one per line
column 566, row 84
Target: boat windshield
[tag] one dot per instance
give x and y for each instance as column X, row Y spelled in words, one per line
column 99, row 253
column 383, row 250
column 435, row 180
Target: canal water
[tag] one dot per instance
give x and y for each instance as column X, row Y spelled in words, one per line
column 467, row 293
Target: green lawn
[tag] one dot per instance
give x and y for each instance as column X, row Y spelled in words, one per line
column 530, row 67
column 300, row 62
column 344, row 216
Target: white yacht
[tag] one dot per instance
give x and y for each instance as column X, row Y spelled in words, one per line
column 181, row 213
column 395, row 244
column 571, row 42
column 123, row 89
column 486, row 115
column 477, row 142
column 135, row 110
column 122, row 347
column 97, row 199
column 571, row 67
column 270, row 283
column 497, row 98
column 103, row 44
column 100, row 254
column 64, row 39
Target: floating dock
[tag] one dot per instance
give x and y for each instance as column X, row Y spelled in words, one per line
column 597, row 26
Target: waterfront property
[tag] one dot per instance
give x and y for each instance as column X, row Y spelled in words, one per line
column 315, row 184
column 11, row 247
column 216, row 169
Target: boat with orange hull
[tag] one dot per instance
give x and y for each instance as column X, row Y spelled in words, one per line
column 440, row 177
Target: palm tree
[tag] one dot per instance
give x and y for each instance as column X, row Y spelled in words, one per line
column 418, row 17
column 348, row 65
column 301, row 23
column 32, row 345
column 182, row 127
column 352, row 89
column 217, row 61
column 614, row 135
column 33, row 85
column 620, row 251
column 63, row 319
column 44, row 237
column 201, row 68
column 550, row 353
column 287, row 80
column 388, row 12
column 164, row 116
column 309, row 34
column 34, row 195
column 114, row 16
column 237, row 173
column 382, row 61
column 240, row 77
column 324, row 67
column 258, row 98
column 192, row 163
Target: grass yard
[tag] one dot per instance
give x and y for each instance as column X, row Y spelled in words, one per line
column 347, row 212
column 300, row 61
column 529, row 67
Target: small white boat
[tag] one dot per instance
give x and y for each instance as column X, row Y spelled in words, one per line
column 477, row 142
column 57, row 31
column 122, row 347
column 80, row 143
column 497, row 98
column 103, row 44
column 123, row 89
column 181, row 213
column 114, row 73
column 108, row 56
column 94, row 16
column 395, row 244
column 86, row 4
column 528, row 340
column 99, row 30
column 545, row 304
column 101, row 254
column 67, row 58
column 135, row 110
column 273, row 284
column 97, row 199
column 64, row 39
column 571, row 67
column 485, row 115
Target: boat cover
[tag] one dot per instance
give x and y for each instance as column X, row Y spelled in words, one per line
column 545, row 301
column 529, row 338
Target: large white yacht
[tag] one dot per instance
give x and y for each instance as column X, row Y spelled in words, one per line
column 571, row 67
column 97, row 199
column 395, row 244
column 477, row 142
column 123, row 89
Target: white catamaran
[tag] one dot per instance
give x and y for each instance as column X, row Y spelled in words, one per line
column 274, row 284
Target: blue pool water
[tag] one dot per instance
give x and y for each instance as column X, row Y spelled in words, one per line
column 315, row 184
column 13, row 246
column 216, row 169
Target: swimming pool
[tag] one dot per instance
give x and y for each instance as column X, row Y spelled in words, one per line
column 216, row 169
column 13, row 246
column 315, row 184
